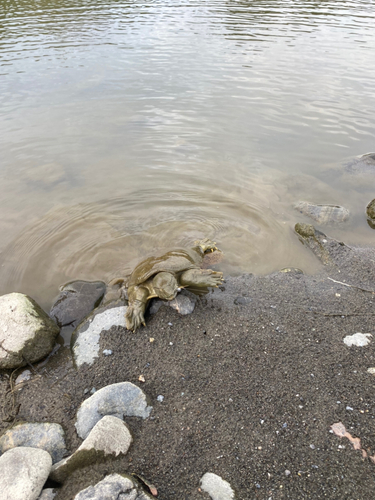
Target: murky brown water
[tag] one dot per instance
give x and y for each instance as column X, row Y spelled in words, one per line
column 130, row 127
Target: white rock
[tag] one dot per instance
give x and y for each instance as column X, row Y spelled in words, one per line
column 119, row 400
column 113, row 486
column 216, row 487
column 358, row 339
column 23, row 472
column 110, row 436
column 23, row 377
column 27, row 333
column 371, row 370
column 48, row 494
column 87, row 335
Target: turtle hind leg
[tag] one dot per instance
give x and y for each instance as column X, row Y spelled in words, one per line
column 200, row 278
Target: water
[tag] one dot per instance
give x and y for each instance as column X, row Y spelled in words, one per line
column 130, row 127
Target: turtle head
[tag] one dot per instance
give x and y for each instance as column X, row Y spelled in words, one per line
column 206, row 245
column 165, row 286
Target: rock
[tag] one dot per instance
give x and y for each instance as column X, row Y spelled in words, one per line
column 120, row 400
column 110, row 436
column 48, row 494
column 217, row 488
column 291, row 270
column 184, row 303
column 114, row 486
column 371, row 370
column 358, row 339
column 364, row 164
column 23, row 377
column 323, row 214
column 370, row 212
column 85, row 339
column 27, row 333
column 23, row 473
column 48, row 437
column 75, row 301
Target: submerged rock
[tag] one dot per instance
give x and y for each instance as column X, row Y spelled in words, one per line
column 120, row 400
column 85, row 339
column 48, row 437
column 323, row 214
column 27, row 333
column 23, row 473
column 216, row 487
column 114, row 486
column 76, row 300
column 110, row 436
column 364, row 164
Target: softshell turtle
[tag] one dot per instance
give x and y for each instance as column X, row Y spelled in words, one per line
column 164, row 277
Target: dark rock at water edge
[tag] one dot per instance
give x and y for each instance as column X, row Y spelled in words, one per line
column 75, row 301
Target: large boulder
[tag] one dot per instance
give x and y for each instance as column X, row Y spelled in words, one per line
column 23, row 472
column 27, row 333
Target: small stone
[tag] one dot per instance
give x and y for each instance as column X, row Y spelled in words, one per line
column 287, row 472
column 23, row 377
column 371, row 370
column 183, row 304
column 48, row 494
column 160, row 398
column 152, row 339
column 110, row 436
column 141, row 378
column 113, row 486
column 312, row 446
column 349, row 408
column 23, row 473
column 121, row 399
column 93, row 390
column 358, row 339
column 216, row 487
column 170, row 324
column 46, row 436
column 107, row 352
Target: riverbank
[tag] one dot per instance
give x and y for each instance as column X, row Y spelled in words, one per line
column 252, row 382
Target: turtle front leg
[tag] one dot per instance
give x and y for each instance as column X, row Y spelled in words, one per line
column 198, row 278
column 134, row 315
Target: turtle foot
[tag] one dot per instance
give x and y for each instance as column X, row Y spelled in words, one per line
column 134, row 317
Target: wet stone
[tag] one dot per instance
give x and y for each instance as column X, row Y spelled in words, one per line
column 46, row 436
column 75, row 301
column 120, row 400
column 370, row 210
column 323, row 214
column 364, row 164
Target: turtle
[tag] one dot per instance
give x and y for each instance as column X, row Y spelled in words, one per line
column 165, row 276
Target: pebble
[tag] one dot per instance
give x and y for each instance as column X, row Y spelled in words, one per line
column 371, row 370
column 287, row 472
column 358, row 339
column 216, row 487
column 23, row 377
column 107, row 352
column 160, row 398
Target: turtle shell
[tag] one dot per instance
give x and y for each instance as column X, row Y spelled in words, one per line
column 175, row 261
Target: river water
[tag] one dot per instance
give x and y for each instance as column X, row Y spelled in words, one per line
column 127, row 128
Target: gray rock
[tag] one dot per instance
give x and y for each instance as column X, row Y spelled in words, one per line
column 48, row 494
column 216, row 487
column 113, row 486
column 364, row 164
column 119, row 400
column 23, row 473
column 323, row 214
column 110, row 436
column 23, row 377
column 27, row 333
column 76, row 300
column 48, row 437
column 85, row 339
column 184, row 303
